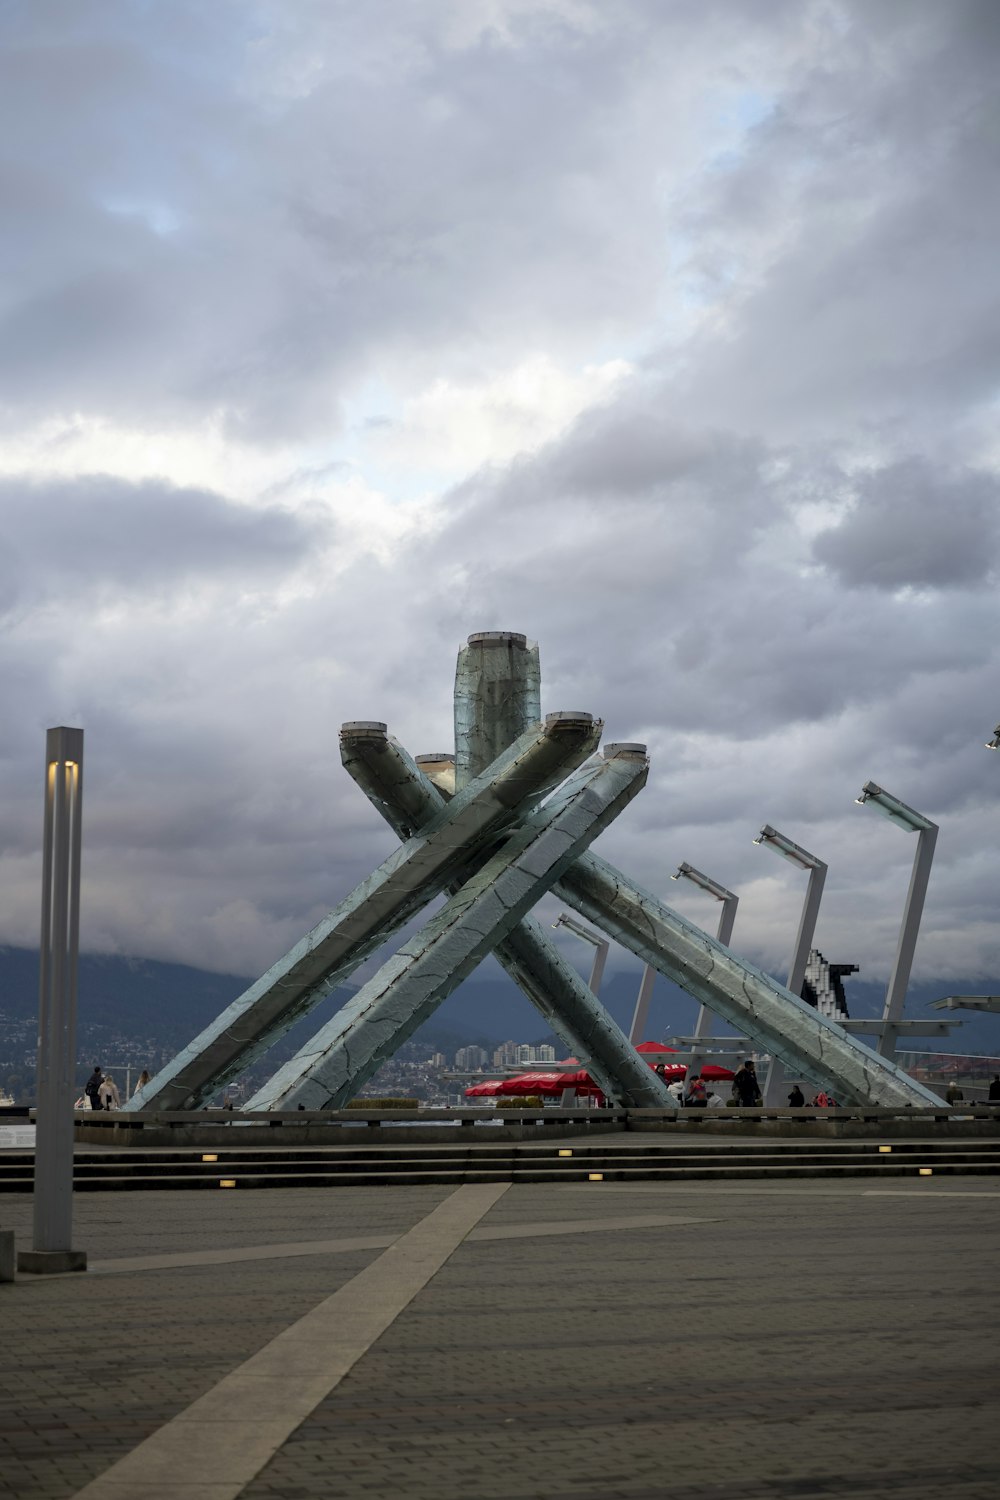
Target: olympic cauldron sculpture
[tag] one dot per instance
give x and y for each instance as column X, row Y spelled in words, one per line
column 508, row 817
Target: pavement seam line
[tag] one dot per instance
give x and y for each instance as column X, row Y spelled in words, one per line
column 281, row 1250
column 218, row 1444
column 186, row 1259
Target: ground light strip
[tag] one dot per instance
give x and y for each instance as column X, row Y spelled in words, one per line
column 214, row 1448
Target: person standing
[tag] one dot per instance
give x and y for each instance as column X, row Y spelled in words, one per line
column 696, row 1098
column 796, row 1099
column 994, row 1094
column 144, row 1078
column 110, row 1097
column 92, row 1089
column 746, row 1085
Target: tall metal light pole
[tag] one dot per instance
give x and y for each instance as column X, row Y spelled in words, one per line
column 914, row 822
column 724, row 931
column 60, row 940
column 770, row 838
column 641, row 1013
column 601, row 946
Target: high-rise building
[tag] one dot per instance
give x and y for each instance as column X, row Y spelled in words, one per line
column 468, row 1059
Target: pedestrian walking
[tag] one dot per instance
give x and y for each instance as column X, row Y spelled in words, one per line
column 796, row 1099
column 144, row 1078
column 92, row 1089
column 993, row 1096
column 953, row 1094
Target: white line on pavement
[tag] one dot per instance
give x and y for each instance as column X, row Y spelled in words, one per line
column 212, row 1449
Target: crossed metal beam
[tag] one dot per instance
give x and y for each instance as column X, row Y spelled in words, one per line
column 526, row 799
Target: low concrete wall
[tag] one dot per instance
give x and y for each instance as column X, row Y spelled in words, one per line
column 735, row 1125
column 345, row 1128
column 445, row 1128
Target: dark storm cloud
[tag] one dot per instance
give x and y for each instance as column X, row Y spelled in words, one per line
column 912, row 524
column 97, row 535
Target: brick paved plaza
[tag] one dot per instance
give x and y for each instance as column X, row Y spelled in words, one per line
column 588, row 1341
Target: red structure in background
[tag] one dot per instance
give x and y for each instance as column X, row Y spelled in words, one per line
column 563, row 1077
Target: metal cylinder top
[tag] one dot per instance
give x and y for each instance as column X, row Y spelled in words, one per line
column 497, row 638
column 569, row 716
column 497, row 696
column 624, row 748
column 364, row 727
column 441, row 757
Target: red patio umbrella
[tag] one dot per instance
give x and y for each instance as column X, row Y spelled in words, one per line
column 580, row 1079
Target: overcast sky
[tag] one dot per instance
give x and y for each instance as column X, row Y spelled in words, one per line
column 665, row 333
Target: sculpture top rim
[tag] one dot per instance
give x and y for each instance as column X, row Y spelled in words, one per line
column 568, row 716
column 352, row 727
column 621, row 748
column 497, row 638
column 436, row 758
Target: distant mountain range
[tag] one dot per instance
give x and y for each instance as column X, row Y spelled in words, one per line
column 146, row 1009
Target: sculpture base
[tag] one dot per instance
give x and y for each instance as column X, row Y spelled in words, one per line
column 51, row 1262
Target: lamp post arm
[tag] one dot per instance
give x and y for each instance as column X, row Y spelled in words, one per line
column 912, row 912
column 807, row 928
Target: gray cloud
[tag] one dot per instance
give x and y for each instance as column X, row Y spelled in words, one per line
column 784, row 216
column 912, row 524
column 98, row 535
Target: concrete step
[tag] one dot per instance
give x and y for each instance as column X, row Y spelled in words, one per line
column 130, row 1175
column 456, row 1177
column 130, row 1168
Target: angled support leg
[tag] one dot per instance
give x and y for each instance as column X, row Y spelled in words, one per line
column 485, row 809
column 407, row 989
column 407, row 799
column 742, row 994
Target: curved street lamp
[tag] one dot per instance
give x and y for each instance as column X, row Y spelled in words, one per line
column 601, row 946
column 770, row 838
column 724, row 931
column 875, row 796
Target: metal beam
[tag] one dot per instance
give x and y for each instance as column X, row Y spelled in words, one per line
column 769, row 1015
column 406, row 798
column 487, row 808
column 408, row 988
column 968, row 1002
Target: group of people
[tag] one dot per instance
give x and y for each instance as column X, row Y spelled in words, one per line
column 101, row 1092
column 746, row 1092
column 695, row 1093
